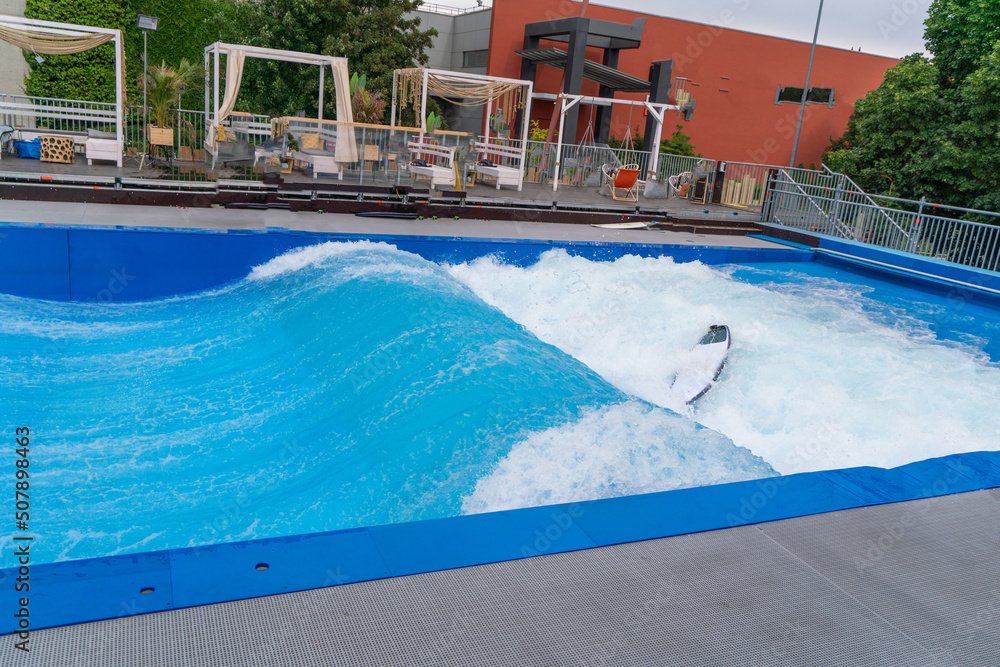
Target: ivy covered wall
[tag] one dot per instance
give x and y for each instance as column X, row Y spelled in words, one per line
column 186, row 28
column 83, row 76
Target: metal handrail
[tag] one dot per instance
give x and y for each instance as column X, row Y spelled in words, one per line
column 968, row 243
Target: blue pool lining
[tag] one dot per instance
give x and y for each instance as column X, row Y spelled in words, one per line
column 909, row 272
column 77, row 263
column 102, row 588
column 970, row 278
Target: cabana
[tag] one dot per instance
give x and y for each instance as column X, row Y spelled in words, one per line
column 345, row 152
column 513, row 96
column 52, row 38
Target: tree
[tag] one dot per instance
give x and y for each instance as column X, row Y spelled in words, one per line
column 378, row 40
column 960, row 33
column 679, row 144
column 931, row 127
column 895, row 136
column 372, row 34
column 166, row 84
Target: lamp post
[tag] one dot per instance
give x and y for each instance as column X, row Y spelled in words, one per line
column 145, row 23
column 805, row 90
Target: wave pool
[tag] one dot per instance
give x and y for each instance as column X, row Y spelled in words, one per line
column 352, row 384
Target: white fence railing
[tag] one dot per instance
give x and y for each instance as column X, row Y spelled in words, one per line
column 29, row 112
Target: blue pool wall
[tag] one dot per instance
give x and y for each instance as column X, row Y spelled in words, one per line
column 123, row 265
column 926, row 273
column 77, row 264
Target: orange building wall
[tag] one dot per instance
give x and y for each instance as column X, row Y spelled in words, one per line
column 734, row 76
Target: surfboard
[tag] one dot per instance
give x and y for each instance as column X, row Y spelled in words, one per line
column 702, row 366
column 399, row 215
column 623, row 225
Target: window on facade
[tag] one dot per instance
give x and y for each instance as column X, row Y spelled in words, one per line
column 794, row 95
column 474, row 58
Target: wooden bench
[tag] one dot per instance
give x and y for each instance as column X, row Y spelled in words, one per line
column 502, row 156
column 440, row 161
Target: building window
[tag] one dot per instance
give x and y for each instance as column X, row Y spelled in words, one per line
column 794, row 95
column 475, row 58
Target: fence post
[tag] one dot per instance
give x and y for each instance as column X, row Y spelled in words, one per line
column 835, row 212
column 915, row 234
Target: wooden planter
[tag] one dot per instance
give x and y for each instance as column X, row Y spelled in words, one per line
column 193, row 154
column 160, row 136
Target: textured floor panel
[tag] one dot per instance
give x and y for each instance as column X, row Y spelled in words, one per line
column 792, row 592
column 930, row 567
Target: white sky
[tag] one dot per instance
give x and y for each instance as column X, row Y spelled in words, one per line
column 886, row 27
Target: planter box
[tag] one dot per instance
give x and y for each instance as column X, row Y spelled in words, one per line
column 188, row 153
column 160, row 136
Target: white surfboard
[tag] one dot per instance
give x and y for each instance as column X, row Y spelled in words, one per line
column 623, row 225
column 701, row 367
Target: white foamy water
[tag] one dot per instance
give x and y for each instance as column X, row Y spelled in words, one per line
column 620, row 450
column 813, row 381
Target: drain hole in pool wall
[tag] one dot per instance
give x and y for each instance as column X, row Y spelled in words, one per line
column 262, row 566
column 147, row 590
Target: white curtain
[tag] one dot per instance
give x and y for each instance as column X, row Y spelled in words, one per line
column 234, row 78
column 347, row 147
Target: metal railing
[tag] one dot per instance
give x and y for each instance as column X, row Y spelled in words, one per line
column 189, row 130
column 582, row 163
column 30, row 112
column 448, row 10
column 844, row 210
column 675, row 165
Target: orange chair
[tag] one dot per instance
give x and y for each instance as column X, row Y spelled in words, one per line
column 624, row 178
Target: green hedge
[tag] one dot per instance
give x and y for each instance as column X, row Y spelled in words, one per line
column 186, row 28
column 83, row 76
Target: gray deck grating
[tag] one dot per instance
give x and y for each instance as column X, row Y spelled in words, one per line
column 790, row 592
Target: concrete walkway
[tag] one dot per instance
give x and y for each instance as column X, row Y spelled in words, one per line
column 111, row 215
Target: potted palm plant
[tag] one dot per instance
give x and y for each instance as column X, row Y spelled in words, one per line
column 164, row 87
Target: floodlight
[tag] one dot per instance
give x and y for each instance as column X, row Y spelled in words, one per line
column 144, row 22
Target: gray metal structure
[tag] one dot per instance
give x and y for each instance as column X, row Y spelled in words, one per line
column 578, row 33
column 913, row 583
